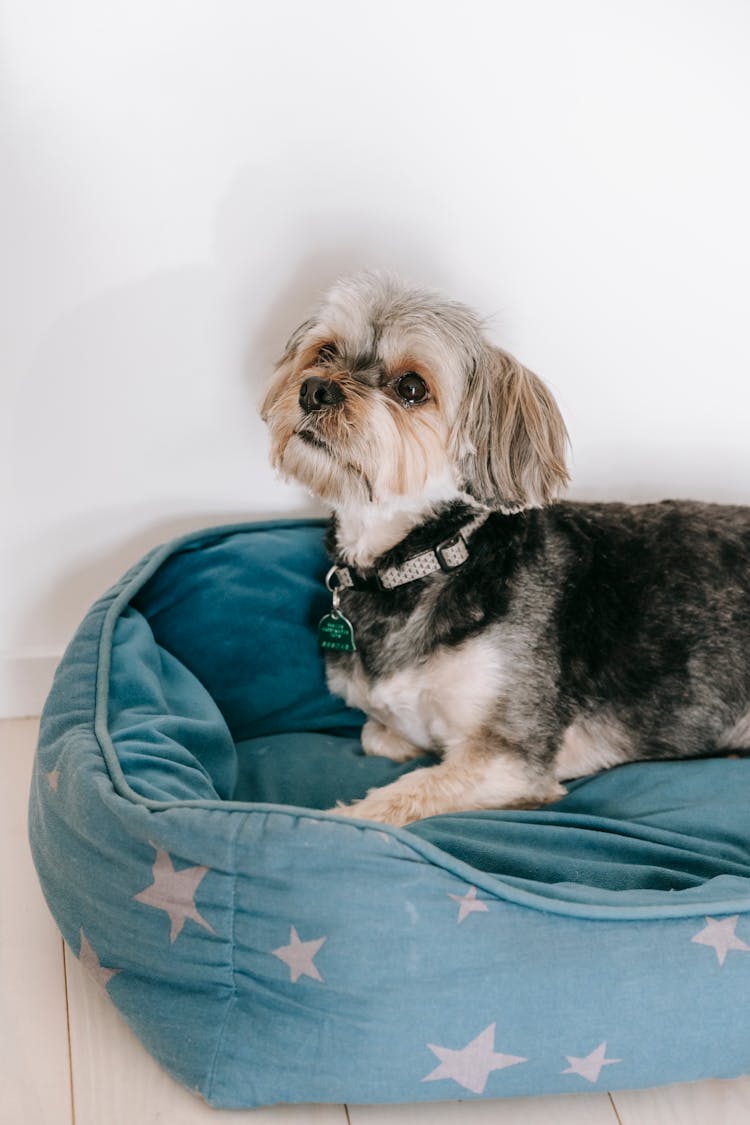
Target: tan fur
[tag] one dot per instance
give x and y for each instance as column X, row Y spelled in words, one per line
column 737, row 737
column 463, row 782
column 384, row 448
column 378, row 739
column 590, row 745
column 509, row 435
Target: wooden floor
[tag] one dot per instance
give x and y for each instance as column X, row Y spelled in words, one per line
column 67, row 1058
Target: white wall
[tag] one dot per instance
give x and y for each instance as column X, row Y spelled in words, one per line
column 180, row 178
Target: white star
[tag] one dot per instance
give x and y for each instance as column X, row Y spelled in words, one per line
column 720, row 935
column 298, row 955
column 53, row 778
column 174, row 892
column 471, row 1066
column 469, row 903
column 93, row 965
column 590, row 1066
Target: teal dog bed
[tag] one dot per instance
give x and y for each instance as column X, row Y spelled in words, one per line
column 265, row 950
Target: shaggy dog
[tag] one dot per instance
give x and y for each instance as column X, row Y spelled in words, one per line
column 522, row 640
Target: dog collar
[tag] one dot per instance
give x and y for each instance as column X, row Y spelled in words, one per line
column 446, row 556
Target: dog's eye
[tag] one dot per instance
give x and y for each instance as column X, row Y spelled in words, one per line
column 411, row 387
column 327, row 353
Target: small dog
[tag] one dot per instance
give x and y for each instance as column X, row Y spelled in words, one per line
column 524, row 641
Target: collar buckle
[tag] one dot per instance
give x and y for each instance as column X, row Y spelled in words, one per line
column 452, row 553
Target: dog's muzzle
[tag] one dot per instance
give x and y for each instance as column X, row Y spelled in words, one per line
column 319, row 394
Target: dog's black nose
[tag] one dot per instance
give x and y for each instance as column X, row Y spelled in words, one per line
column 318, row 394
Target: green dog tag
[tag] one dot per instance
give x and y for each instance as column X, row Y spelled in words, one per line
column 335, row 632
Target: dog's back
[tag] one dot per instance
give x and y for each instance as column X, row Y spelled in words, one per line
column 654, row 620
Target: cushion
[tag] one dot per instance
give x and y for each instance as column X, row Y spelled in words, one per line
column 266, row 950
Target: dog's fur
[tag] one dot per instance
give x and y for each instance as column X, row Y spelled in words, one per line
column 574, row 638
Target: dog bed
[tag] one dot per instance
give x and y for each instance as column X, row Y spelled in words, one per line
column 265, row 950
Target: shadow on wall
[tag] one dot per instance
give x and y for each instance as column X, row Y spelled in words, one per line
column 299, row 292
column 280, row 244
column 137, row 417
column 120, row 441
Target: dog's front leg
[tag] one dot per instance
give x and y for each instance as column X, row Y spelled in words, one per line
column 468, row 778
column 381, row 740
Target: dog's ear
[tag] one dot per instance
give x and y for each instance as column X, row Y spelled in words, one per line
column 509, row 439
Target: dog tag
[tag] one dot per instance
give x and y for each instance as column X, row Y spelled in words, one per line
column 336, row 633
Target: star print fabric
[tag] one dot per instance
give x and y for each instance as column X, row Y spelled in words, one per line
column 266, row 952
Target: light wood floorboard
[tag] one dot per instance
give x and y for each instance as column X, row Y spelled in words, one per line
column 34, row 1063
column 573, row 1109
column 692, row 1103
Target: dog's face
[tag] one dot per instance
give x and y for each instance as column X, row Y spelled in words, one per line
column 388, row 389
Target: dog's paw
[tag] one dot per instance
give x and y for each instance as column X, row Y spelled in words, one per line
column 398, row 810
column 379, row 740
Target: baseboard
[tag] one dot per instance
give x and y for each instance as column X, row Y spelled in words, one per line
column 25, row 680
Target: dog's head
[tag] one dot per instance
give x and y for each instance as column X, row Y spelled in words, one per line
column 388, row 388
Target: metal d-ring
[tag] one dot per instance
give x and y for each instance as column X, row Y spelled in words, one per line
column 334, row 589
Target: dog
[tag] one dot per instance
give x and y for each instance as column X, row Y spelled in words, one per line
column 523, row 640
